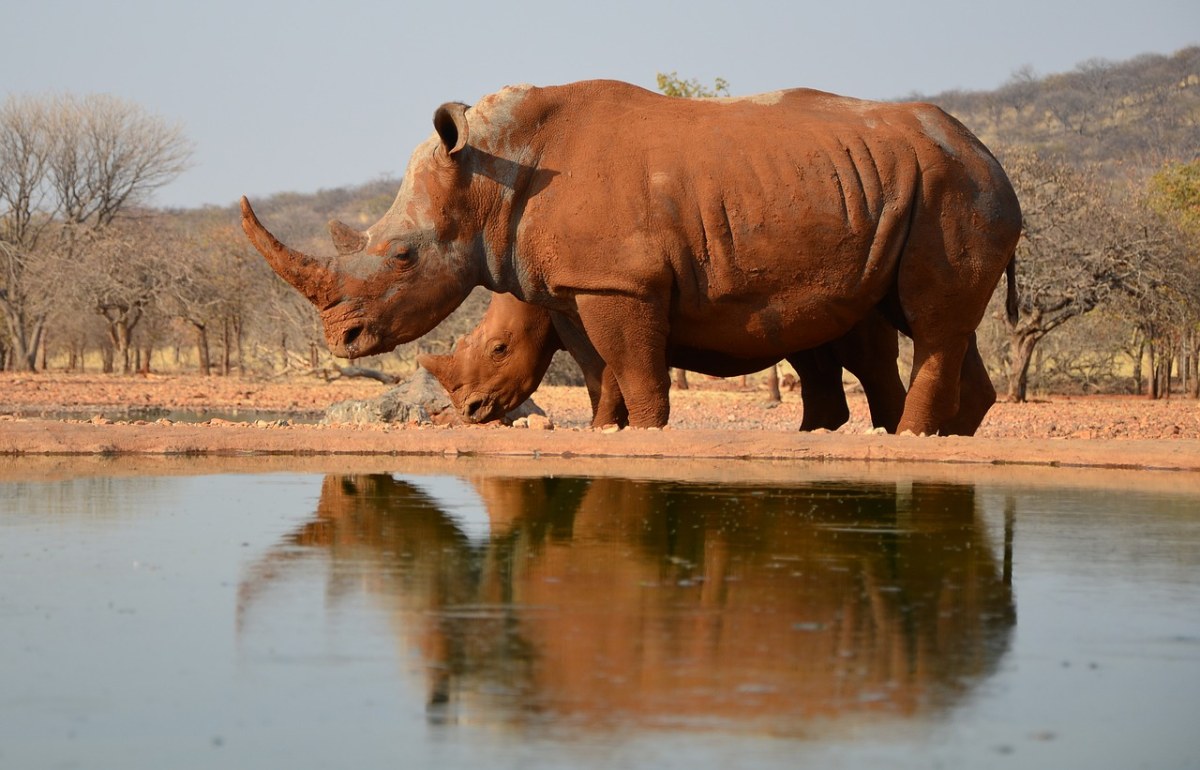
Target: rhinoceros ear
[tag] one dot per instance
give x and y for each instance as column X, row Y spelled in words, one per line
column 450, row 122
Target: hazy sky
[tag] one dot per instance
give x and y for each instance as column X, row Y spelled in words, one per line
column 296, row 95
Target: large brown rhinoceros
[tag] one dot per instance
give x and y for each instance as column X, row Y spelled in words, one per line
column 498, row 365
column 749, row 228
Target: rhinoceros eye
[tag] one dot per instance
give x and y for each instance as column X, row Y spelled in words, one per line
column 499, row 350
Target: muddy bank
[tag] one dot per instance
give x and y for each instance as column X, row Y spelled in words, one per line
column 47, row 437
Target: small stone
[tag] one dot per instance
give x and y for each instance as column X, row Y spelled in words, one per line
column 539, row 422
column 610, row 428
column 521, row 422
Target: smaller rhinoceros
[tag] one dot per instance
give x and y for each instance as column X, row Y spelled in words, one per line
column 503, row 359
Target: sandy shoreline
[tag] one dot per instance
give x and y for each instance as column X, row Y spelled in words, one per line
column 712, row 425
column 48, row 437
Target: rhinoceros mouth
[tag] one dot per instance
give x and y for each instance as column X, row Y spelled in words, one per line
column 356, row 341
column 479, row 408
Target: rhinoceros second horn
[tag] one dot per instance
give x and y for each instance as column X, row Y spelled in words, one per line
column 346, row 239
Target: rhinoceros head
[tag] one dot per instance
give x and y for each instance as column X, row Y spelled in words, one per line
column 409, row 270
column 499, row 364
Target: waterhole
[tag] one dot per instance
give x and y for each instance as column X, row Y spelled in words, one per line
column 418, row 619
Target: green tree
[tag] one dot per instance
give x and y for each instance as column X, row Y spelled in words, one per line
column 673, row 85
column 1175, row 194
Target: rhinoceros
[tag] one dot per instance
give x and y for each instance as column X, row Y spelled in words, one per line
column 499, row 363
column 747, row 227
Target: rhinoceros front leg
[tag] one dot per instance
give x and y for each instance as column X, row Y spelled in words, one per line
column 608, row 405
column 977, row 394
column 630, row 334
column 869, row 352
column 821, row 390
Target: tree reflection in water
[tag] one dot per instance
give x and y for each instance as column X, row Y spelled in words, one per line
column 603, row 602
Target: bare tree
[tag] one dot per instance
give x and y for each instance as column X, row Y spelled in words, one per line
column 192, row 296
column 1161, row 299
column 25, row 145
column 773, row 394
column 1080, row 251
column 108, row 155
column 69, row 166
column 1069, row 260
column 1020, row 90
column 237, row 276
column 122, row 271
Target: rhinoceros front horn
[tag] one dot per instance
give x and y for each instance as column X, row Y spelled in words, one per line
column 314, row 277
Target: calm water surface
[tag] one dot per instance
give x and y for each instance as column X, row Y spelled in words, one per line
column 297, row 621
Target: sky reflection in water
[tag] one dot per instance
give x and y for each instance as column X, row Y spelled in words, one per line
column 300, row 621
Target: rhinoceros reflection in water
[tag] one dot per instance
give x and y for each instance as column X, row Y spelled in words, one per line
column 606, row 601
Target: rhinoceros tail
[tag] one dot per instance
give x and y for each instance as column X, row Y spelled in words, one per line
column 1011, row 302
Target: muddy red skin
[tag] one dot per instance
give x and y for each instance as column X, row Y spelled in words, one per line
column 503, row 359
column 747, row 228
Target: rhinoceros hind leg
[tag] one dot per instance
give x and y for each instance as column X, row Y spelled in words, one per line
column 934, row 388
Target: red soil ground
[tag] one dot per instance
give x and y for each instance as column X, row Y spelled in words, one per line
column 712, row 419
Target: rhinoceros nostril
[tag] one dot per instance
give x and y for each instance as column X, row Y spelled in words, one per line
column 473, row 408
column 351, row 335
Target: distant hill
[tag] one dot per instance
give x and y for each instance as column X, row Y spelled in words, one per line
column 299, row 219
column 1127, row 117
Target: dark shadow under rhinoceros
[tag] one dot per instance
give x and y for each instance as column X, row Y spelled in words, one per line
column 750, row 228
